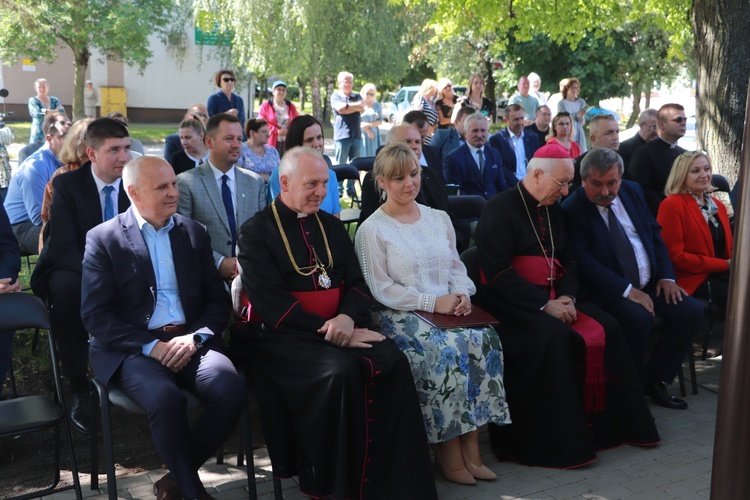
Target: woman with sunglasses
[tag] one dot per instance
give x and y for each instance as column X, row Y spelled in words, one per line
column 445, row 103
column 695, row 228
column 225, row 101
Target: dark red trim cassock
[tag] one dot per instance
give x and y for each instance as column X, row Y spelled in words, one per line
column 347, row 421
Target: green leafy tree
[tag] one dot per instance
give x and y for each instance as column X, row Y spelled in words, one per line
column 312, row 40
column 119, row 30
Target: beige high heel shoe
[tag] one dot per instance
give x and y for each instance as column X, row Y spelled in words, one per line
column 458, row 476
column 478, row 471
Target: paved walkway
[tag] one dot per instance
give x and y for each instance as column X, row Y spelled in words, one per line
column 678, row 468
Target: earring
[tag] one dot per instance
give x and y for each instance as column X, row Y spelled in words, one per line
column 383, row 195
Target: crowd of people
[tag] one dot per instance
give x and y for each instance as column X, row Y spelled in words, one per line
column 424, row 330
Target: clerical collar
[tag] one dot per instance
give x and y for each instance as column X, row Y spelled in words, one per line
column 529, row 196
column 671, row 145
column 285, row 208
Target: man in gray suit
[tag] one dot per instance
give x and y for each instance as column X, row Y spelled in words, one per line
column 219, row 195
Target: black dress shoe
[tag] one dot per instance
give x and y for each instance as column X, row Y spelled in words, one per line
column 80, row 411
column 657, row 391
column 166, row 489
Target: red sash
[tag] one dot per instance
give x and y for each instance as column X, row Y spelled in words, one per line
column 324, row 303
column 535, row 270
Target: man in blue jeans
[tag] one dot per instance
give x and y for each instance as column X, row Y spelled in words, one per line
column 347, row 109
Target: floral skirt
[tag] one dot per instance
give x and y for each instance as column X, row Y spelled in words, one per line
column 458, row 373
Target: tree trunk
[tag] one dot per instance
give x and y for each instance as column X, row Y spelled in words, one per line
column 316, row 107
column 327, row 111
column 647, row 93
column 81, row 57
column 302, row 93
column 722, row 44
column 636, row 104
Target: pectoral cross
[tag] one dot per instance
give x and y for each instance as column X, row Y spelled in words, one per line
column 552, row 278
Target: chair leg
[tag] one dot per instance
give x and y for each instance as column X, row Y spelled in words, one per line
column 681, row 377
column 277, row 495
column 35, row 341
column 109, row 457
column 12, row 379
column 94, row 440
column 247, row 441
column 693, row 376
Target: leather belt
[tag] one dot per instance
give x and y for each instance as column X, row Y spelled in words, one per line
column 169, row 328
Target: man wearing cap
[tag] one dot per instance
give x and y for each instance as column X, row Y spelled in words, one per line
column 570, row 379
column 278, row 112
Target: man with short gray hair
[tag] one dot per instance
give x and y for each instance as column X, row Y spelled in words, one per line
column 475, row 167
column 156, row 309
column 604, row 132
column 646, row 133
column 628, row 272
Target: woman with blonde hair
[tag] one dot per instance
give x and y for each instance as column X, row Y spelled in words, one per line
column 40, row 106
column 445, row 103
column 474, row 98
column 408, row 256
column 73, row 155
column 576, row 106
column 424, row 101
column 695, row 228
column 371, row 118
column 562, row 133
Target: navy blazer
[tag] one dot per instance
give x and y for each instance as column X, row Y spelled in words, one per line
column 445, row 141
column 118, row 289
column 602, row 276
column 501, row 141
column 460, row 168
column 76, row 208
column 172, row 145
column 10, row 253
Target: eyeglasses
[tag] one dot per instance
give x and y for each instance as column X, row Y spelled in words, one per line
column 370, row 93
column 227, row 79
column 679, row 119
column 561, row 185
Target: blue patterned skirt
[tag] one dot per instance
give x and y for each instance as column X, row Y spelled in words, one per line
column 458, row 373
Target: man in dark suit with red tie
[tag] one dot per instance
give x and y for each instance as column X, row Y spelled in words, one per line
column 626, row 270
column 82, row 199
column 474, row 167
column 156, row 308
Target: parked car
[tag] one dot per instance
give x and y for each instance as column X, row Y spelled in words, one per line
column 400, row 103
column 689, row 141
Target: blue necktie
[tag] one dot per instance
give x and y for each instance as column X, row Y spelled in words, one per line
column 109, row 207
column 226, row 196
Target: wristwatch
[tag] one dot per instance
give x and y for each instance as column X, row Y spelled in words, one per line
column 198, row 341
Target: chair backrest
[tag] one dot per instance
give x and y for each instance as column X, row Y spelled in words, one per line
column 468, row 206
column 451, row 189
column 470, row 258
column 345, row 172
column 363, row 163
column 720, row 183
column 22, row 310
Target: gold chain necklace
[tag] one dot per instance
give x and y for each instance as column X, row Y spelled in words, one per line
column 323, row 279
column 550, row 261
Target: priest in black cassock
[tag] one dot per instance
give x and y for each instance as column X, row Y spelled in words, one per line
column 338, row 403
column 570, row 381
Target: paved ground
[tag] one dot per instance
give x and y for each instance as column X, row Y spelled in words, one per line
column 678, row 468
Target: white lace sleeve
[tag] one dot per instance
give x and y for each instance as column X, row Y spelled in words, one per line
column 373, row 258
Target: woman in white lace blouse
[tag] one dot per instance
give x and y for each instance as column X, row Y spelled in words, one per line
column 408, row 256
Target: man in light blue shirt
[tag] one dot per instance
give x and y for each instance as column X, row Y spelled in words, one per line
column 23, row 202
column 156, row 308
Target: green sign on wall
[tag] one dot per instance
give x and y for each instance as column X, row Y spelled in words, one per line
column 213, row 37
